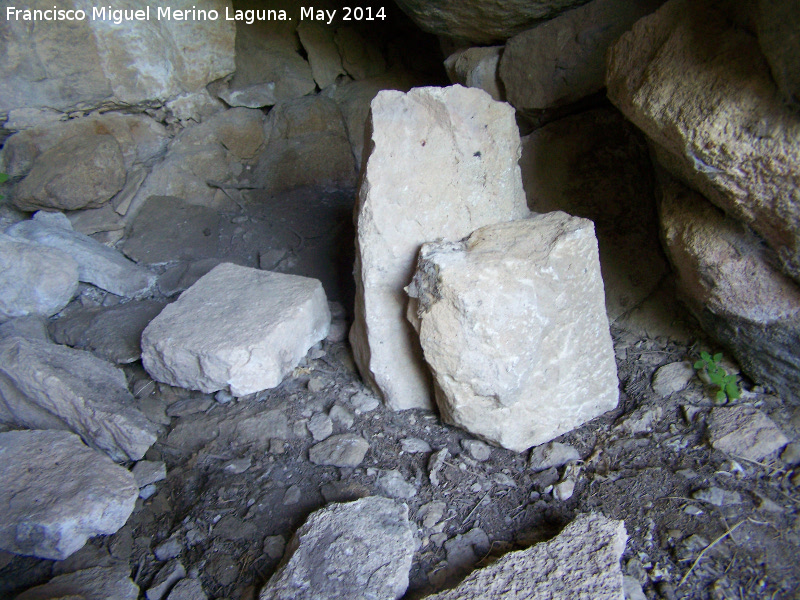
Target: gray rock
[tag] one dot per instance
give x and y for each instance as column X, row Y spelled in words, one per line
column 55, row 493
column 744, row 431
column 97, row 583
column 581, row 562
column 210, row 339
column 699, row 115
column 481, row 22
column 149, row 471
column 717, row 496
column 46, row 386
column 464, row 550
column 435, row 464
column 366, row 546
column 632, row 589
column 363, row 402
column 274, row 546
column 78, row 172
column 320, row 426
column 323, row 56
column 188, row 589
column 777, row 23
column 342, row 416
column 361, row 58
column 33, row 327
column 292, row 495
column 415, row 446
column 344, row 450
column 730, row 283
column 673, row 377
column 394, row 485
column 497, row 310
column 552, row 454
column 477, row 449
column 478, row 68
column 167, row 576
column 113, row 333
column 169, row 548
column 474, row 168
column 562, row 60
column 34, row 279
column 97, row 264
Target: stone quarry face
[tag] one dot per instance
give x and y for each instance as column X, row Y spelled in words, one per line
column 442, row 162
column 237, row 329
column 512, row 323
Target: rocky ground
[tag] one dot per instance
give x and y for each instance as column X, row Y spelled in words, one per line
column 242, row 475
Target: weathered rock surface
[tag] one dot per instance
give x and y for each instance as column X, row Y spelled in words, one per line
column 96, row 583
column 702, row 92
column 443, row 162
column 345, row 450
column 113, row 333
column 56, row 493
column 91, row 63
column 673, row 377
column 479, row 21
column 731, row 284
column 478, row 68
column 363, row 548
column 562, row 60
column 46, row 386
column 97, row 264
column 34, row 279
column 582, row 562
column 777, row 23
column 512, row 323
column 307, row 144
column 213, row 339
column 744, row 431
column 361, row 58
column 323, row 55
column 597, row 166
column 79, row 172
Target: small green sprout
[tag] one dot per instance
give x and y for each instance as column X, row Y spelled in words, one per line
column 728, row 388
column 3, row 179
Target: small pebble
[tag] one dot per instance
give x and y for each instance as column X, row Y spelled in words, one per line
column 223, row 397
column 148, row 491
column 477, row 449
column 415, row 446
column 320, row 426
column 363, row 402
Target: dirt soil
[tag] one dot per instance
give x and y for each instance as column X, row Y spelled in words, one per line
column 233, row 497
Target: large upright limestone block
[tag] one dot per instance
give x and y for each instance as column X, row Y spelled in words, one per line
column 702, row 92
column 237, row 329
column 512, row 322
column 442, row 162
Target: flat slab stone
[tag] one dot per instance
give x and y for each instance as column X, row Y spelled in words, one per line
column 47, row 386
column 581, row 563
column 97, row 583
column 513, row 324
column 97, row 264
column 34, row 279
column 346, row 450
column 113, row 333
column 362, row 548
column 443, row 163
column 55, row 493
column 744, row 431
column 237, row 329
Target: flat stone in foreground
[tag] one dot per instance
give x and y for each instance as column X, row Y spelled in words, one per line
column 513, row 324
column 744, row 431
column 236, row 329
column 360, row 549
column 581, row 563
column 55, row 493
column 96, row 583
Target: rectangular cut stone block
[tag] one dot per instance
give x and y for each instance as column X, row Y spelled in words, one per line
column 237, row 329
column 512, row 322
column 441, row 162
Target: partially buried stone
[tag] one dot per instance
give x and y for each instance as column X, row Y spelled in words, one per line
column 339, row 451
column 744, row 431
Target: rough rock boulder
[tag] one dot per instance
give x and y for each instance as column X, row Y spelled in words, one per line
column 442, row 162
column 236, row 329
column 512, row 322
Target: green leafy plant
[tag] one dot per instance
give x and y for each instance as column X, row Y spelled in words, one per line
column 728, row 387
column 3, row 179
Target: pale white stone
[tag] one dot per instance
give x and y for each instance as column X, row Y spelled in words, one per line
column 237, row 328
column 442, row 162
column 514, row 328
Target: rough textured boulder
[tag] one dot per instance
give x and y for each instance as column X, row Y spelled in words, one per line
column 581, row 563
column 323, row 55
column 596, row 165
column 777, row 24
column 97, row 264
column 55, row 493
column 46, row 386
column 307, row 144
column 702, row 92
column 731, row 284
column 442, row 163
column 477, row 67
column 95, row 583
column 34, row 279
column 512, row 322
column 236, row 329
column 79, row 172
column 562, row 60
column 91, row 63
column 362, row 548
column 480, row 21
